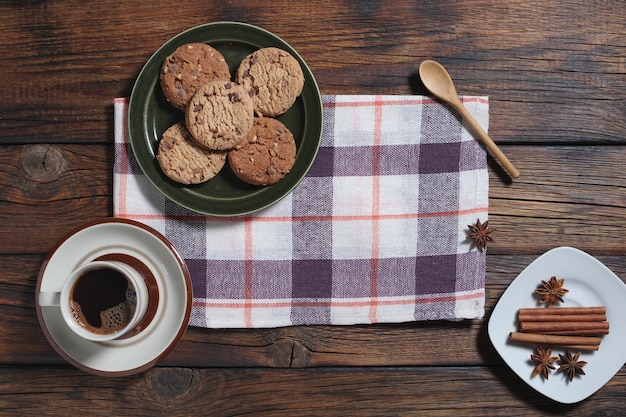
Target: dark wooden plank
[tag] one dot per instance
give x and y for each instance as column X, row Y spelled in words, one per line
column 419, row 343
column 566, row 196
column 550, row 75
column 259, row 392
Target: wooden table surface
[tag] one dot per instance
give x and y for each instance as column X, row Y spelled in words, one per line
column 555, row 73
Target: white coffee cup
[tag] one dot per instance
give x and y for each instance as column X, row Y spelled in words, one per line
column 113, row 290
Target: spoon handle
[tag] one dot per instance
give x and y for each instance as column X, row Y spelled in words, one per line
column 489, row 143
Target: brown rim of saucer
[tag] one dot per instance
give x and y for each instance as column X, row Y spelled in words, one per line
column 181, row 330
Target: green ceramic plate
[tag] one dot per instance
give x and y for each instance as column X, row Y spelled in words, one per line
column 149, row 115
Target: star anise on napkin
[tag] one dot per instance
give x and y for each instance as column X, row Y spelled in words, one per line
column 479, row 233
column 551, row 291
column 544, row 362
column 571, row 365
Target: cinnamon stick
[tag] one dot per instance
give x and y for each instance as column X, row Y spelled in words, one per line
column 563, row 310
column 574, row 342
column 560, row 317
column 580, row 332
column 582, row 347
column 601, row 327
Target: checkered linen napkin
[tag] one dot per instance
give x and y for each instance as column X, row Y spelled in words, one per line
column 376, row 231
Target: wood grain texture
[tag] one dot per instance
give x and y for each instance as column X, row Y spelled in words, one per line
column 260, row 392
column 555, row 75
column 567, row 195
column 551, row 76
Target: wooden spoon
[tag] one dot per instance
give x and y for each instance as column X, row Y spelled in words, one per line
column 438, row 82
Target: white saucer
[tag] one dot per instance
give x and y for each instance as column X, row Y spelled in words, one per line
column 590, row 283
column 137, row 353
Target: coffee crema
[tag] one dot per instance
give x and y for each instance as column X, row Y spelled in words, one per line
column 102, row 301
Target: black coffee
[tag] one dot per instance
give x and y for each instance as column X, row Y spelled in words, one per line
column 100, row 301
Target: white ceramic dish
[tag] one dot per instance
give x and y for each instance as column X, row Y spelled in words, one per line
column 590, row 283
column 137, row 353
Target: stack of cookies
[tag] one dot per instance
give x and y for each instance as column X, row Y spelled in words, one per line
column 226, row 119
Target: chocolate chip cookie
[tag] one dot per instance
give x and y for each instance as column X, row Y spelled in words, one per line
column 188, row 68
column 184, row 161
column 219, row 115
column 266, row 154
column 273, row 78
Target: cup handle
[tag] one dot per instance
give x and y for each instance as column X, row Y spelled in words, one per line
column 49, row 299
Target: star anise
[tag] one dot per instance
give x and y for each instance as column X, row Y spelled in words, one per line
column 551, row 291
column 571, row 365
column 544, row 362
column 479, row 233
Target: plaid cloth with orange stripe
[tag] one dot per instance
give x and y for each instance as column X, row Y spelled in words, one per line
column 375, row 233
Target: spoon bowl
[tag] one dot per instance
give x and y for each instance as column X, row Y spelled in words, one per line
column 437, row 80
